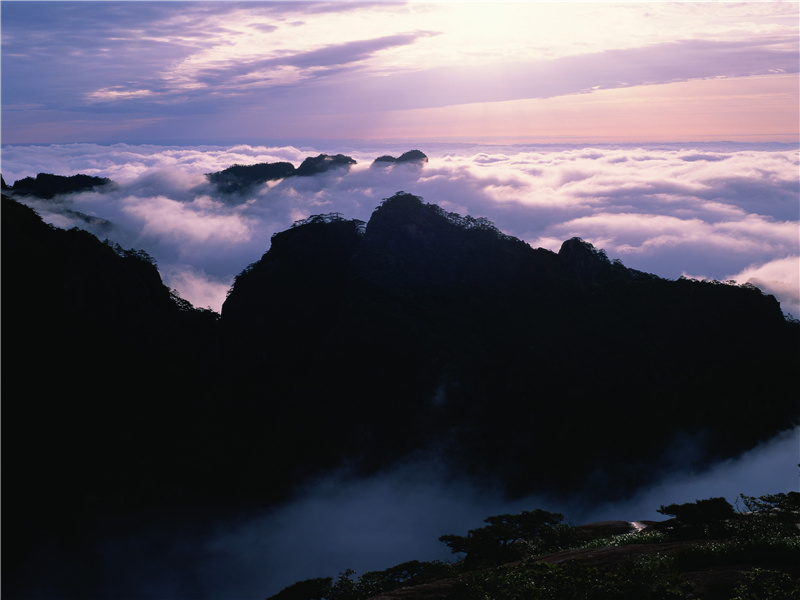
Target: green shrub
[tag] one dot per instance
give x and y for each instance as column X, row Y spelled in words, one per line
column 651, row 578
column 763, row 584
column 638, row 537
column 369, row 584
column 777, row 551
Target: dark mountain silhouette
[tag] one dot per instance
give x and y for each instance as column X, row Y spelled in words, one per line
column 100, row 380
column 242, row 178
column 419, row 331
column 314, row 165
column 412, row 156
column 46, row 185
column 431, row 329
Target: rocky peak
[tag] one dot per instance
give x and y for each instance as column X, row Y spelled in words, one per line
column 46, row 185
column 588, row 263
column 412, row 156
column 314, row 165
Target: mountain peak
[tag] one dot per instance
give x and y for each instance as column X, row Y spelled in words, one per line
column 412, row 156
column 585, row 261
column 314, row 165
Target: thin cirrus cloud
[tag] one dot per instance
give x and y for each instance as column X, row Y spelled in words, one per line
column 297, row 70
column 668, row 62
column 238, row 75
column 661, row 63
column 716, row 211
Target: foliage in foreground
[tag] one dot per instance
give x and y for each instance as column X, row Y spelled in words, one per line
column 369, row 584
column 496, row 541
column 651, row 577
column 765, row 537
column 648, row 578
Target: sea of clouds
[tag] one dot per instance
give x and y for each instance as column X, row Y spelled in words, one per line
column 722, row 211
column 719, row 211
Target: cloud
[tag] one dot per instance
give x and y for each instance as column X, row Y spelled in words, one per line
column 668, row 62
column 288, row 70
column 189, row 224
column 196, row 286
column 340, row 522
column 780, row 277
column 729, row 208
column 234, row 74
column 769, row 468
column 170, row 60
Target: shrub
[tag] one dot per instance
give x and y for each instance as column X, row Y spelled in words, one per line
column 763, row 584
column 652, row 578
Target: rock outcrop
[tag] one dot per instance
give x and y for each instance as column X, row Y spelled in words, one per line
column 46, row 185
column 412, row 157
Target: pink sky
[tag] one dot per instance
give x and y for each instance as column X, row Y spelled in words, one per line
column 526, row 71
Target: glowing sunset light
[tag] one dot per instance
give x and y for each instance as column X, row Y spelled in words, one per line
column 760, row 108
column 492, row 71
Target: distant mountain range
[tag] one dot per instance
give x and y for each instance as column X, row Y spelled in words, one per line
column 421, row 332
column 236, row 179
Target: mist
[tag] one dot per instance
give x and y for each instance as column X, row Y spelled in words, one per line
column 709, row 211
column 338, row 522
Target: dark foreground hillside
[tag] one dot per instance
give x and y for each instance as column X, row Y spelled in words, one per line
column 419, row 332
column 706, row 550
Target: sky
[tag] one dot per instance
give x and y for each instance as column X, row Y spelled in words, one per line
column 256, row 72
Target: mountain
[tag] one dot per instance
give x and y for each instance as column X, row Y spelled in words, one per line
column 240, row 179
column 418, row 333
column 102, row 363
column 46, row 185
column 412, row 156
column 314, row 165
column 425, row 329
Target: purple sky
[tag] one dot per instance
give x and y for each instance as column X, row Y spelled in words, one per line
column 531, row 71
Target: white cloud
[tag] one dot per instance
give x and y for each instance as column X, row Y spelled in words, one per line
column 710, row 210
column 188, row 224
column 780, row 277
column 196, row 286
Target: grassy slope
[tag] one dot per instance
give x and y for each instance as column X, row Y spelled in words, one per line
column 744, row 556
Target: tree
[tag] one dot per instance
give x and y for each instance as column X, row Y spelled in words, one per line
column 702, row 518
column 780, row 504
column 496, row 539
column 308, row 589
column 700, row 511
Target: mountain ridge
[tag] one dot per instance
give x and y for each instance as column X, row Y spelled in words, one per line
column 421, row 332
column 434, row 283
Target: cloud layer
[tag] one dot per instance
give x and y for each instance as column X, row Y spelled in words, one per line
column 298, row 70
column 708, row 211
